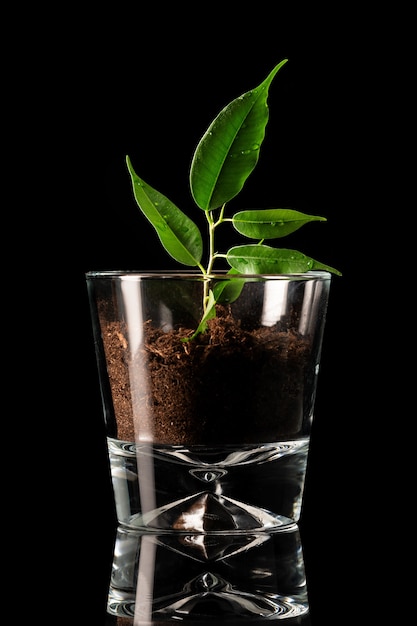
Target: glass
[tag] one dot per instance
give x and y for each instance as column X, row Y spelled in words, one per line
column 208, row 434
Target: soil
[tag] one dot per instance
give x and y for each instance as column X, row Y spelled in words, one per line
column 227, row 385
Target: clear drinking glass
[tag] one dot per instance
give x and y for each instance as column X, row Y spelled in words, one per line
column 208, row 433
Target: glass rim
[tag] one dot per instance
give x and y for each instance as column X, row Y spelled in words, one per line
column 195, row 275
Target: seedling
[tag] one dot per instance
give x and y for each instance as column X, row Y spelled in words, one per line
column 224, row 158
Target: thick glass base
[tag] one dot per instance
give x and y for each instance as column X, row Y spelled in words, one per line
column 207, row 489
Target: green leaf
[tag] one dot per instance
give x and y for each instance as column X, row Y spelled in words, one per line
column 227, row 291
column 259, row 259
column 178, row 234
column 271, row 223
column 229, row 150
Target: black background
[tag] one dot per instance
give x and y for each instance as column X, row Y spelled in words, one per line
column 148, row 85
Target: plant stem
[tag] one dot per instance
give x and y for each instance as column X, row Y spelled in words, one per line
column 212, row 225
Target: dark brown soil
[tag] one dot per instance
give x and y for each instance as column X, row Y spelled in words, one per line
column 228, row 385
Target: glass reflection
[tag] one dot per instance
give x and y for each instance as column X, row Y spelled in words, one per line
column 207, row 578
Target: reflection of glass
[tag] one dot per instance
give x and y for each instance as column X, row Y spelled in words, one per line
column 206, row 577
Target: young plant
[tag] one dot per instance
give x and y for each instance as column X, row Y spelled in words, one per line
column 224, row 158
